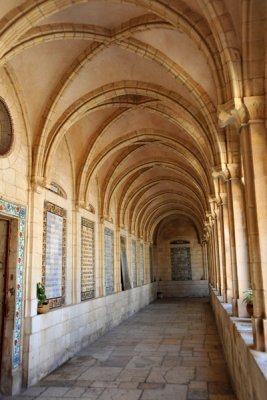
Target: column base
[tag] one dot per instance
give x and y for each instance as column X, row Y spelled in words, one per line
column 242, row 309
column 264, row 325
column 258, row 333
column 234, row 307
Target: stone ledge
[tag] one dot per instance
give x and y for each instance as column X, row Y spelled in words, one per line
column 247, row 367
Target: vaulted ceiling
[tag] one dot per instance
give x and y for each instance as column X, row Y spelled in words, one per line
column 133, row 87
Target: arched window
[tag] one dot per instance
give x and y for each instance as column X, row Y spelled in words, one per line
column 6, row 129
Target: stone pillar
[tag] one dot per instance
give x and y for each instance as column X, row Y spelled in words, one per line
column 205, row 259
column 254, row 151
column 216, row 257
column 227, row 249
column 227, row 261
column 35, row 234
column 249, row 119
column 240, row 238
column 221, row 249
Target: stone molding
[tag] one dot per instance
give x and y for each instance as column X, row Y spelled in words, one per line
column 239, row 112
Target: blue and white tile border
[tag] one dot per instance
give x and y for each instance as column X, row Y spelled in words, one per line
column 16, row 211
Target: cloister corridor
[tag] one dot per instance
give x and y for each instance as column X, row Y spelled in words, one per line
column 170, row 350
column 133, row 199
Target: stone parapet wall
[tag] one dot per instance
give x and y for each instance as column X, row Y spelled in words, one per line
column 247, row 367
column 197, row 288
column 56, row 336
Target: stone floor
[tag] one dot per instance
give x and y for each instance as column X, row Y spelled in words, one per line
column 170, row 351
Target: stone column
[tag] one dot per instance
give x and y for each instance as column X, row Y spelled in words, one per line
column 227, row 249
column 240, row 237
column 221, row 249
column 227, row 254
column 216, row 257
column 34, row 247
column 254, row 151
column 249, row 119
column 205, row 259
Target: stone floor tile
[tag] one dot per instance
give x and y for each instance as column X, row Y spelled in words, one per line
column 145, row 360
column 180, row 375
column 33, row 391
column 57, row 383
column 170, row 392
column 120, row 394
column 133, row 375
column 129, row 385
column 104, row 384
column 222, row 397
column 75, row 392
column 170, row 350
column 19, row 397
column 92, row 393
column 101, row 373
column 115, row 361
column 171, row 361
column 147, row 385
column 54, row 392
column 195, row 363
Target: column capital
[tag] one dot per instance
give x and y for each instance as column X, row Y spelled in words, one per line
column 239, row 112
column 255, row 106
column 38, row 183
column 220, row 172
column 223, row 197
column 234, row 113
column 234, row 171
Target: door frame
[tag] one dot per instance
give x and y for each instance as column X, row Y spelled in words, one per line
column 16, row 214
column 4, row 298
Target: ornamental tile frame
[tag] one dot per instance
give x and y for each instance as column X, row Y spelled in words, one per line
column 87, row 259
column 59, row 214
column 18, row 212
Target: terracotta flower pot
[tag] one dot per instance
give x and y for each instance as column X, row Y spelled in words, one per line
column 250, row 309
column 43, row 308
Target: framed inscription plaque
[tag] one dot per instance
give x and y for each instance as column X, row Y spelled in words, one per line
column 54, row 254
column 87, row 260
column 109, row 261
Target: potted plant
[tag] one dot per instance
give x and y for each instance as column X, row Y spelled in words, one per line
column 43, row 304
column 248, row 299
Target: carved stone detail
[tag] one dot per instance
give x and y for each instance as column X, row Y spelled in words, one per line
column 256, row 107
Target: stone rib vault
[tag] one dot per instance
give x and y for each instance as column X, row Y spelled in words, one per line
column 132, row 165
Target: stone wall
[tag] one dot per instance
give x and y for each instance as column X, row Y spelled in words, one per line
column 247, row 367
column 184, row 288
column 56, row 336
column 178, row 228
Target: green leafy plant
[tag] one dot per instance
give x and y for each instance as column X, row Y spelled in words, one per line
column 248, row 296
column 41, row 296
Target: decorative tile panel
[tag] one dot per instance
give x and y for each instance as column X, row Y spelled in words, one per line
column 134, row 270
column 54, row 254
column 141, row 264
column 15, row 211
column 87, row 260
column 181, row 264
column 109, row 260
